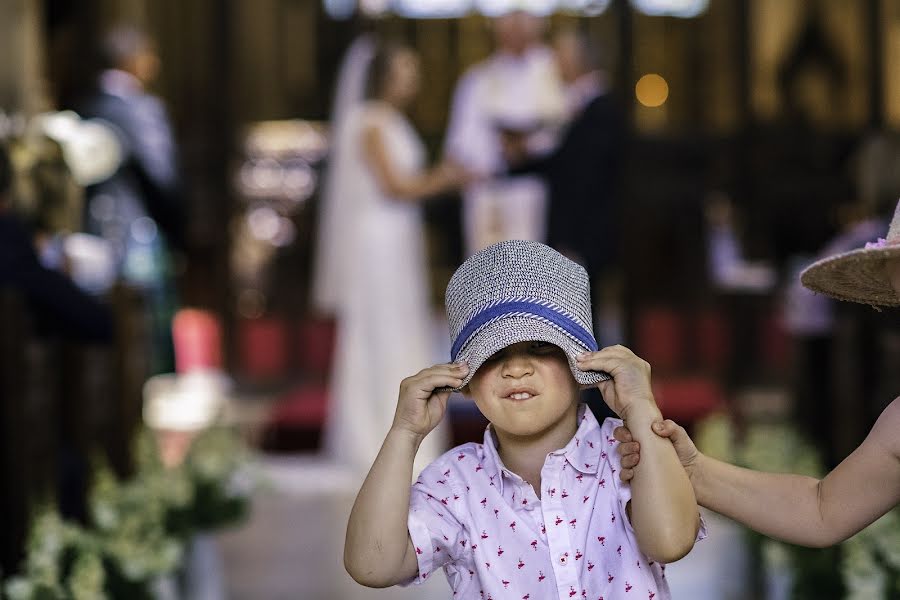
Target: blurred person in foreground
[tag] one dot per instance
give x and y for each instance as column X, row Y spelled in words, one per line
column 862, row 488
column 58, row 309
column 139, row 209
column 58, row 306
column 373, row 242
column 515, row 90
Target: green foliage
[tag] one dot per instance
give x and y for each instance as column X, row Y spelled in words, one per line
column 778, row 447
column 139, row 527
column 871, row 565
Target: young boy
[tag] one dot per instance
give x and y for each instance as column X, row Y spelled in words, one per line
column 538, row 510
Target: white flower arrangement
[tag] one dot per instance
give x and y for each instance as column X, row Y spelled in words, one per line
column 773, row 447
column 138, row 527
column 871, row 560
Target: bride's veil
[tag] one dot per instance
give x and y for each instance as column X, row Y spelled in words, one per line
column 330, row 258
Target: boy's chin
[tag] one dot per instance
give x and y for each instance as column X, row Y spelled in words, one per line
column 523, row 430
column 526, row 426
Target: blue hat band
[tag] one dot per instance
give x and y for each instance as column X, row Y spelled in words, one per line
column 491, row 313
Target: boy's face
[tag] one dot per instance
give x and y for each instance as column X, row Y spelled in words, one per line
column 525, row 388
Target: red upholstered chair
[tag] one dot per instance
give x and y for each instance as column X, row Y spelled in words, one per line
column 295, row 422
column 262, row 348
column 661, row 338
column 658, row 338
column 297, row 418
column 688, row 398
column 316, row 347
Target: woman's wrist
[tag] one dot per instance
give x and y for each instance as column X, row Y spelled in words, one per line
column 696, row 471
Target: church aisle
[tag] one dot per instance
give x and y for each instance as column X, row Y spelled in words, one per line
column 291, row 546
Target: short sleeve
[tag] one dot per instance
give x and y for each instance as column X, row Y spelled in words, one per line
column 612, row 467
column 435, row 531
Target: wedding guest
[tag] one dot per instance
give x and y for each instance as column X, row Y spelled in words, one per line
column 139, row 210
column 58, row 306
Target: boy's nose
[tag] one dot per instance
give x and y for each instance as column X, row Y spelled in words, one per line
column 516, row 366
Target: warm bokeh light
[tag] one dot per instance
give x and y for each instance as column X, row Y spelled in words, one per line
column 651, row 90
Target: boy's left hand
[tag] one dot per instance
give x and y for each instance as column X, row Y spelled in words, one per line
column 628, row 392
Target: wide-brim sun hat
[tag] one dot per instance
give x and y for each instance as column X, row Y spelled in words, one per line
column 520, row 291
column 859, row 275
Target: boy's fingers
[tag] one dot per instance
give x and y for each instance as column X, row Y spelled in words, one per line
column 608, row 359
column 626, row 475
column 610, row 352
column 622, row 433
column 630, row 461
column 428, row 383
column 451, row 369
column 628, row 448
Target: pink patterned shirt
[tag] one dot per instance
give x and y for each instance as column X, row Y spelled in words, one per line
column 497, row 540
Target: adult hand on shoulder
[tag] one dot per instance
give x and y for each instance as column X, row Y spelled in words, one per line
column 630, row 450
column 423, row 397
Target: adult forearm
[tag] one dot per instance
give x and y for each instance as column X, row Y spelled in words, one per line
column 663, row 507
column 778, row 505
column 377, row 534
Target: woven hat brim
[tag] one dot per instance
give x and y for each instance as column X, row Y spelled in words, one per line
column 509, row 330
column 857, row 276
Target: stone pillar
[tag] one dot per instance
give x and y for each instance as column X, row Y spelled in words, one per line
column 21, row 46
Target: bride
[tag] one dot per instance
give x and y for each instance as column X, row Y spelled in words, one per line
column 371, row 267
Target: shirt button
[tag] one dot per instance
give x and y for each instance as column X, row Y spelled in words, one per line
column 563, row 559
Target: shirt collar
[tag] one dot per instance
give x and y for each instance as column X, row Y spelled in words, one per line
column 582, row 451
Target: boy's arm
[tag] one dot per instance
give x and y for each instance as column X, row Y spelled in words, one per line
column 664, row 511
column 797, row 509
column 378, row 551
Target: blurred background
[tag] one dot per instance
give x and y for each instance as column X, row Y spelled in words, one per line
column 176, row 382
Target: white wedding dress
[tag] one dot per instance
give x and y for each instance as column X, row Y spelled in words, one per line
column 385, row 326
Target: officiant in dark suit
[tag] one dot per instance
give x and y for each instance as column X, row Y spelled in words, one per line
column 582, row 174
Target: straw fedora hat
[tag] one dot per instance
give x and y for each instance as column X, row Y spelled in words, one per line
column 520, row 291
column 860, row 275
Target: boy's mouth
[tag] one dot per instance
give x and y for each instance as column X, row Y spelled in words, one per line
column 520, row 394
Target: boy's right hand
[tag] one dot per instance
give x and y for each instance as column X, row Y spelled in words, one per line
column 423, row 397
column 630, row 450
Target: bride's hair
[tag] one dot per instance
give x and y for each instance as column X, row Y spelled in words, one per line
column 380, row 67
